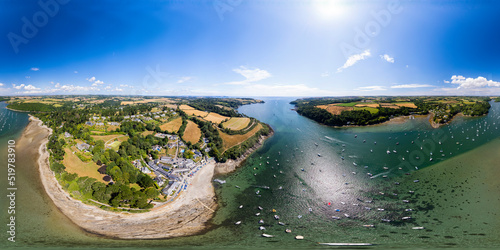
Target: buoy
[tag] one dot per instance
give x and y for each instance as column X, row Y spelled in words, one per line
column 299, row 237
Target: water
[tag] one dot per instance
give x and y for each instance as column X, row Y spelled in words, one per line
column 306, row 189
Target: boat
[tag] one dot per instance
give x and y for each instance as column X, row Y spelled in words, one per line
column 281, row 223
column 267, row 235
column 259, row 207
column 346, row 244
column 274, row 210
column 220, row 181
column 262, row 228
column 346, row 215
column 335, row 217
column 236, row 186
column 417, row 228
column 316, row 144
column 388, row 151
column 406, row 218
column 386, row 220
column 299, row 237
column 257, row 214
column 288, row 230
column 241, row 206
column 261, row 221
column 299, row 216
column 368, row 226
column 319, row 154
column 277, row 217
column 258, row 191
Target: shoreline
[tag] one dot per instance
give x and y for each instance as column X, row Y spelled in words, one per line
column 231, row 165
column 189, row 214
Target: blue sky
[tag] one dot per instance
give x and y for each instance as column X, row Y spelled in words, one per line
column 250, row 48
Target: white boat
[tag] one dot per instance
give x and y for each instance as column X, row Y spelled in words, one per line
column 299, row 237
column 257, row 214
column 241, row 206
column 258, row 191
column 281, row 223
column 267, row 235
column 261, row 221
column 259, row 207
column 262, row 228
column 238, row 222
column 388, row 151
column 276, row 217
column 406, row 218
column 417, row 228
column 319, row 154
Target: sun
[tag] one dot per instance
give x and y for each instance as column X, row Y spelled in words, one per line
column 330, row 9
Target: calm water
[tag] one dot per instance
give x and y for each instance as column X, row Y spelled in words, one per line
column 354, row 176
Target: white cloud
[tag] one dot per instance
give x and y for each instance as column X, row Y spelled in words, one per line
column 251, row 75
column 117, row 89
column 387, row 58
column 354, row 59
column 57, row 85
column 31, row 87
column 18, row 86
column 99, row 82
column 92, row 79
column 107, row 87
column 1, row 84
column 184, row 79
column 446, row 81
column 76, row 72
column 411, row 86
column 34, row 69
column 27, row 77
column 371, row 88
column 325, row 74
column 479, row 82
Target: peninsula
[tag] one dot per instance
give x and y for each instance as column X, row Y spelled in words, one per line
column 362, row 111
column 137, row 167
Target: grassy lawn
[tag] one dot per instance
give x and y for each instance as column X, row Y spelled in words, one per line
column 146, row 133
column 406, row 104
column 74, row 165
column 236, row 123
column 232, row 140
column 172, row 126
column 192, row 133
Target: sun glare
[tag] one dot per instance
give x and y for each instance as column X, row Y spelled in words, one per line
column 330, row 9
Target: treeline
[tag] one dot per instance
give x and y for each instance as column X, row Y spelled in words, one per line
column 32, row 106
column 210, row 105
column 324, row 100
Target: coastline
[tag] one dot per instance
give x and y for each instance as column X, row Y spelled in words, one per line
column 187, row 215
column 231, row 165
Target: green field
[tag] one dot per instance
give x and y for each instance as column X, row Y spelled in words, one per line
column 372, row 110
column 349, row 104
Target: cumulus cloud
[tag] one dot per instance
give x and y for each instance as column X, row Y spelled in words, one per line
column 251, row 75
column 18, row 86
column 1, row 84
column 92, row 79
column 34, row 69
column 31, row 87
column 467, row 83
column 117, row 89
column 371, row 88
column 411, row 86
column 184, row 79
column 354, row 59
column 387, row 58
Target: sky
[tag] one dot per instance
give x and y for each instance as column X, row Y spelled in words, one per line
column 249, row 48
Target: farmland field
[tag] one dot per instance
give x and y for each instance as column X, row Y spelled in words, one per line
column 215, row 118
column 334, row 109
column 74, row 165
column 196, row 112
column 372, row 110
column 371, row 105
column 233, row 140
column 349, row 104
column 406, row 104
column 236, row 123
column 172, row 126
column 192, row 133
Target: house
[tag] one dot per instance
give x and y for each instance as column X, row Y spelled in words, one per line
column 171, row 145
column 89, row 123
column 114, row 123
column 157, row 147
column 207, row 149
column 159, row 180
column 99, row 123
column 168, row 190
column 67, row 135
column 160, row 135
column 148, row 118
column 172, row 137
column 83, row 146
column 126, row 117
column 157, row 116
column 145, row 170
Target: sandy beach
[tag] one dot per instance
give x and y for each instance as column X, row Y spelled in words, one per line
column 187, row 215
